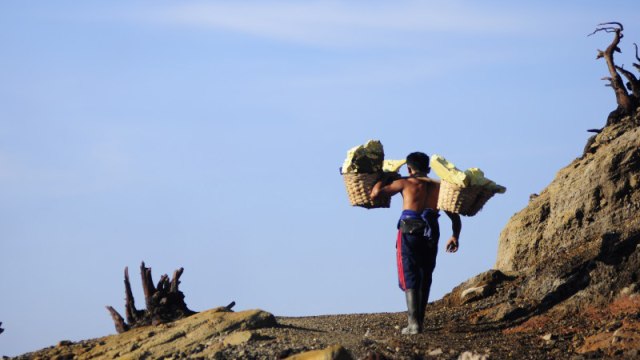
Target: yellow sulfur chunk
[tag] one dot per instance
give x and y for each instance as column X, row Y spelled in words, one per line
column 365, row 158
column 448, row 172
column 476, row 177
column 393, row 165
column 470, row 177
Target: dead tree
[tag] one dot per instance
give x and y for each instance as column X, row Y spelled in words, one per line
column 627, row 103
column 164, row 302
column 633, row 84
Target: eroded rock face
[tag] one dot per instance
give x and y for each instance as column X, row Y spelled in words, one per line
column 579, row 238
column 568, row 263
column 591, row 204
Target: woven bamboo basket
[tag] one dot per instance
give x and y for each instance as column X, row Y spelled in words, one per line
column 359, row 189
column 465, row 201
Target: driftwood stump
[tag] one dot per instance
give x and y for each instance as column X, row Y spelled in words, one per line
column 164, row 302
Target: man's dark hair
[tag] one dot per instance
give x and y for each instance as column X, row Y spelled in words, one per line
column 418, row 161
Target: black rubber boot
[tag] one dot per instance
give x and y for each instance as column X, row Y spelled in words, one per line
column 423, row 299
column 421, row 310
column 413, row 304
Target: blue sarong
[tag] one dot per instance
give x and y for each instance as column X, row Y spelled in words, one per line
column 416, row 253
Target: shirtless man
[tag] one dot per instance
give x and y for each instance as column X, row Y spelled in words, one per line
column 418, row 234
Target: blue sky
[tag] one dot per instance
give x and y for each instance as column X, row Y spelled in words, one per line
column 208, row 135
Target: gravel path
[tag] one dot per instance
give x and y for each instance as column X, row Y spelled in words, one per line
column 377, row 336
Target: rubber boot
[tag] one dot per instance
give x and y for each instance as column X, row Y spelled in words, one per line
column 421, row 310
column 423, row 299
column 413, row 305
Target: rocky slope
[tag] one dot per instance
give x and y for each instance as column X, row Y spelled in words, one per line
column 577, row 240
column 564, row 287
column 569, row 262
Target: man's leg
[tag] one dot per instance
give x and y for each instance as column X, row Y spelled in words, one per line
column 413, row 308
column 425, row 282
column 408, row 276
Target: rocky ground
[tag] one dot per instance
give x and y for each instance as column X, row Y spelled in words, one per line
column 451, row 333
column 377, row 336
column 362, row 336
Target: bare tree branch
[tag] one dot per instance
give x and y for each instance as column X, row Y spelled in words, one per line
column 121, row 326
column 625, row 103
column 636, row 65
column 163, row 283
column 130, row 306
column 147, row 285
column 608, row 29
column 176, row 280
column 634, row 84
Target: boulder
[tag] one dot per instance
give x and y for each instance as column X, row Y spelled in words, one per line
column 474, row 293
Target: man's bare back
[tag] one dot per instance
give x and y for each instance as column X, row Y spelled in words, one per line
column 418, row 193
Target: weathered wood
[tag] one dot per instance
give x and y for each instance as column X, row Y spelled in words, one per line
column 147, row 285
column 131, row 312
column 164, row 302
column 121, row 326
column 626, row 103
column 636, row 65
column 230, row 306
column 634, row 84
column 163, row 283
column 176, row 280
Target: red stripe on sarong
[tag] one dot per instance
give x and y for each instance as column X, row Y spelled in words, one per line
column 403, row 284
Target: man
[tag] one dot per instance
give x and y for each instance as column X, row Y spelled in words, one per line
column 418, row 234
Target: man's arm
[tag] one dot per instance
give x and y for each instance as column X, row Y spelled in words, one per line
column 390, row 189
column 456, row 226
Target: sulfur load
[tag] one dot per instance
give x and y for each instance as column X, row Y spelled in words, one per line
column 362, row 168
column 463, row 192
column 369, row 159
column 470, row 177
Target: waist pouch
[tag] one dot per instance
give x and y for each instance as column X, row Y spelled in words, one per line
column 413, row 226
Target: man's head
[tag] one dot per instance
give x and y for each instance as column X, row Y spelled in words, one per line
column 418, row 162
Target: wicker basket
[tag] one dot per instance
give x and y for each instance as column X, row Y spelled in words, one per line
column 359, row 189
column 465, row 201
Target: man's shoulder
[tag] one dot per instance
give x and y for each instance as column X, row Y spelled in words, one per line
column 428, row 180
column 415, row 183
